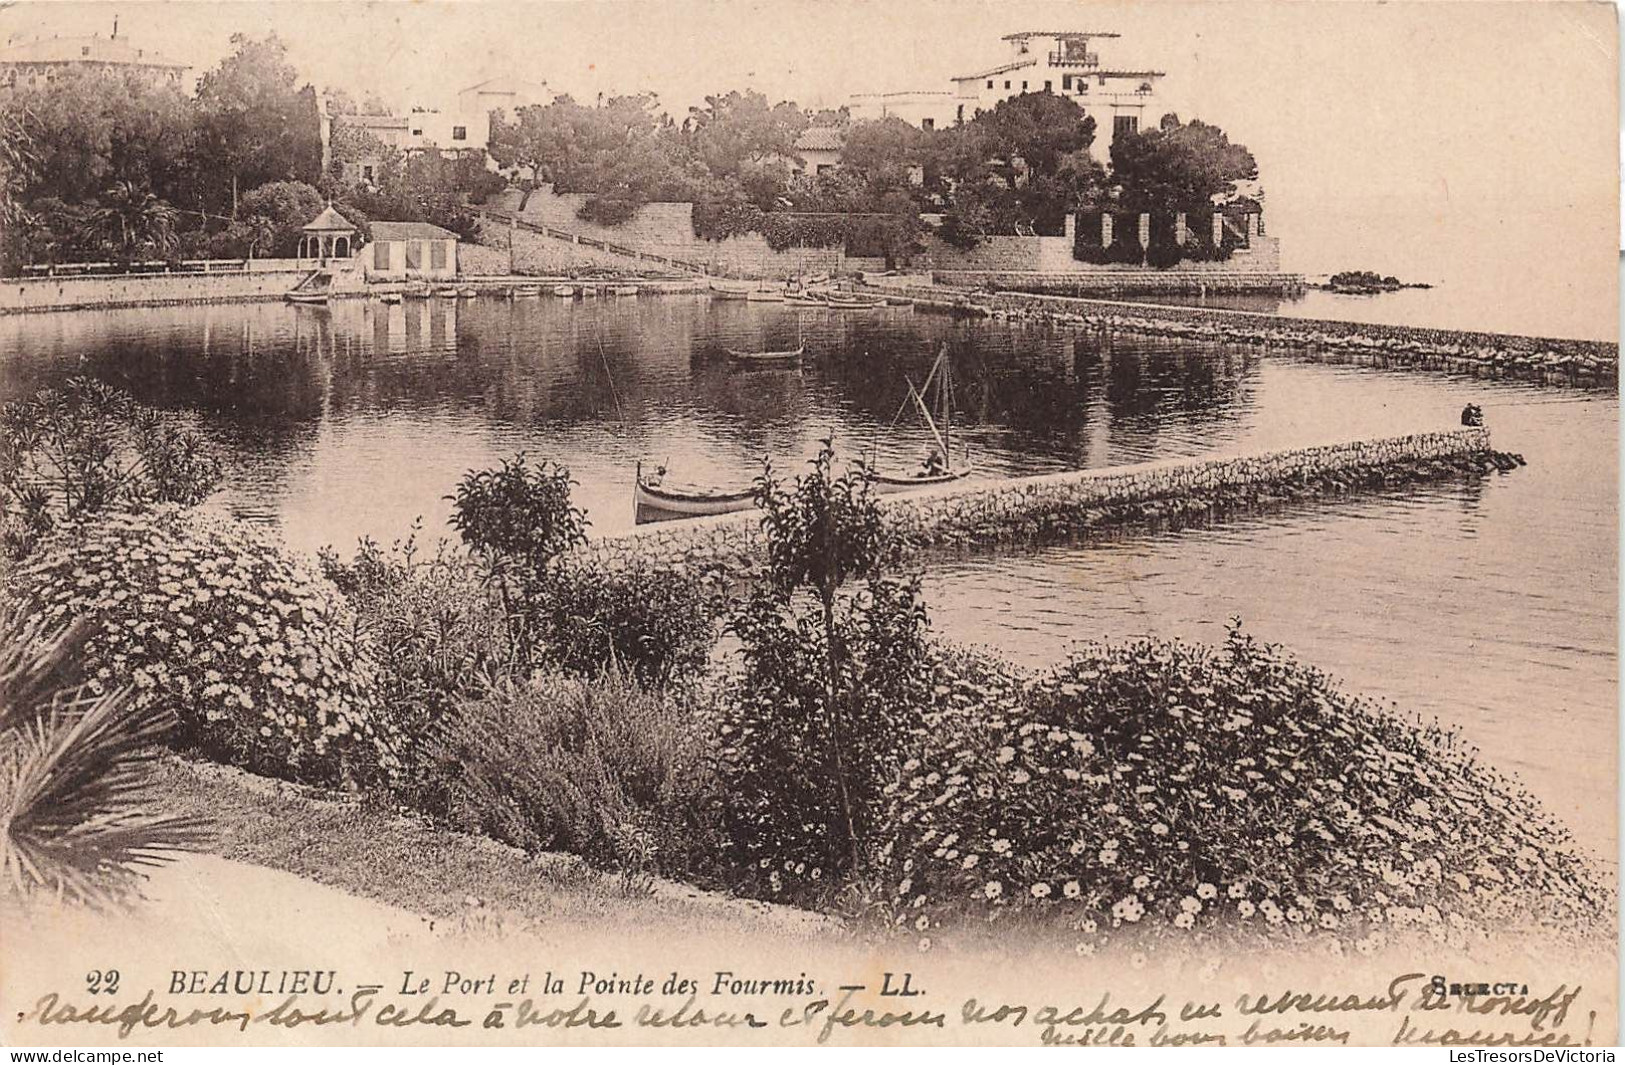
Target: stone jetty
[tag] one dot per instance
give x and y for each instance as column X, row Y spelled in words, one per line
column 1579, row 363
column 1058, row 506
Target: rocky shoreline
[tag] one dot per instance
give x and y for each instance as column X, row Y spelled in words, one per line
column 1577, row 363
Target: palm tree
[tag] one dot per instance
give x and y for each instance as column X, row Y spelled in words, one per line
column 131, row 218
column 74, row 774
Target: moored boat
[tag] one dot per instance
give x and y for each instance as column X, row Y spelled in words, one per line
column 653, row 500
column 389, row 297
column 417, row 290
column 567, row 291
column 723, row 290
column 447, row 293
column 315, row 297
column 525, row 292
column 626, row 290
column 765, row 295
column 467, row 293
column 767, row 358
column 844, row 301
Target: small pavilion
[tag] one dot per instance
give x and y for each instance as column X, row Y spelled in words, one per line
column 327, row 236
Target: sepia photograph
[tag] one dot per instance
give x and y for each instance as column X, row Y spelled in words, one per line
column 795, row 523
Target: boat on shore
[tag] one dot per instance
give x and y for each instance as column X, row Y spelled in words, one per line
column 653, row 500
column 788, row 357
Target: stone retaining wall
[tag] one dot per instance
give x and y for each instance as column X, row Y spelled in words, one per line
column 1589, row 363
column 1059, row 505
column 264, row 279
column 1187, row 279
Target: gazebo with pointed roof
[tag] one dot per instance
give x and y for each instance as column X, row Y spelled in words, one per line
column 327, row 236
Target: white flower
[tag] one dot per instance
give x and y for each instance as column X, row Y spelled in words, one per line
column 1071, row 889
column 993, row 889
column 1040, row 891
column 1206, row 891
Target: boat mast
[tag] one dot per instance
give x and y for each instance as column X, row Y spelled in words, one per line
column 947, row 408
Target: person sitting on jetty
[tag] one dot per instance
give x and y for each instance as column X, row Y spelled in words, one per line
column 1472, row 414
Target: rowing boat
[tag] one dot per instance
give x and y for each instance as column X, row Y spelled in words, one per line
column 567, row 291
column 767, row 358
column 724, row 291
column 654, row 501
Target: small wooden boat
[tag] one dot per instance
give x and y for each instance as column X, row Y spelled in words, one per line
column 525, row 292
column 448, row 293
column 846, row 302
column 318, row 296
column 887, row 484
column 389, row 297
column 765, row 295
column 625, row 290
column 417, row 291
column 899, row 301
column 723, row 290
column 467, row 293
column 654, row 501
column 589, row 291
column 567, row 291
column 767, row 358
column 805, row 299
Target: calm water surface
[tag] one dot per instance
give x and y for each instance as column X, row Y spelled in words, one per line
column 1488, row 605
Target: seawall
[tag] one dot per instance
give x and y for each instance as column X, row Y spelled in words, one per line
column 1586, row 363
column 260, row 279
column 1050, row 507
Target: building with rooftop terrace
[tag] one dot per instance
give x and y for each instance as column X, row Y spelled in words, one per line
column 1122, row 96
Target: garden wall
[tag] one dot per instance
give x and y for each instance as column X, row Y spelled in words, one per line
column 264, row 279
column 1052, row 506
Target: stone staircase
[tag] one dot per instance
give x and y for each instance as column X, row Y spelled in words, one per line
column 498, row 226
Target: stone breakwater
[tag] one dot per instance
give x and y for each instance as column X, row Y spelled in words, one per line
column 1059, row 506
column 1581, row 363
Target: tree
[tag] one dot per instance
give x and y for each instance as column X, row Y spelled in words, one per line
column 1024, row 163
column 1178, row 166
column 131, row 220
column 287, row 206
column 736, row 130
column 256, row 125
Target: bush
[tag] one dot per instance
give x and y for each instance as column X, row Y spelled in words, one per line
column 1164, row 251
column 68, row 454
column 655, row 622
column 1125, row 246
column 782, row 764
column 1155, row 791
column 439, row 635
column 608, row 210
column 601, row 768
column 253, row 651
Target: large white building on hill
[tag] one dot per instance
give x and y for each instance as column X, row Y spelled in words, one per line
column 1121, row 96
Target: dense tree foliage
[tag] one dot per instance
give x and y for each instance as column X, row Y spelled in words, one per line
column 1179, row 166
column 256, row 125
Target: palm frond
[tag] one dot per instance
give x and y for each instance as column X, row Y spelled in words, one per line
column 73, row 825
column 38, row 662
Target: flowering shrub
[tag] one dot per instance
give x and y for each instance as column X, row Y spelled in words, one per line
column 254, row 651
column 1156, row 791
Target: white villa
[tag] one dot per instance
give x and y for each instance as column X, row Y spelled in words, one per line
column 1121, row 97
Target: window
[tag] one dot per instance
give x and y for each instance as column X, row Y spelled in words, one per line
column 1122, row 124
column 437, row 254
column 417, row 133
column 84, row 50
column 1066, row 82
column 1007, row 84
column 1049, row 86
column 959, row 117
column 459, row 133
column 928, row 123
column 990, row 83
column 380, row 255
column 1024, row 86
